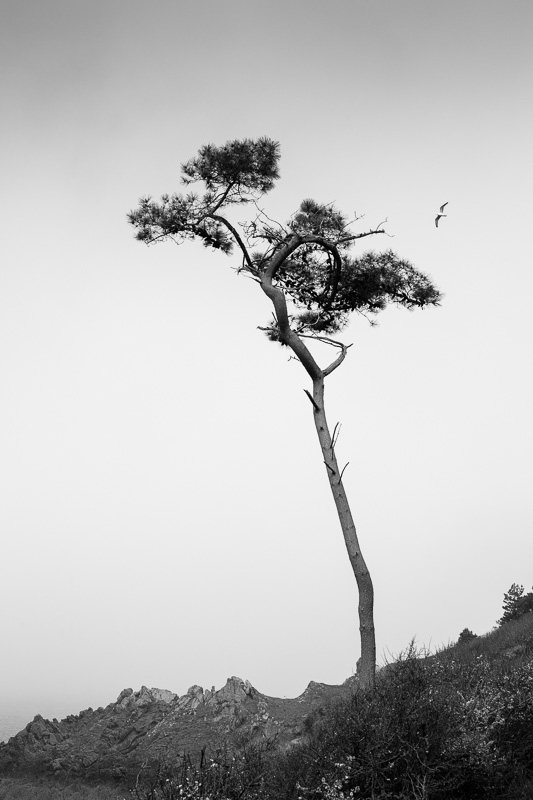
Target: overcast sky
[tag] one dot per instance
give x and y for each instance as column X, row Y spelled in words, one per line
column 166, row 518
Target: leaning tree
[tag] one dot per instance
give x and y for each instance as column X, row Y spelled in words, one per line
column 306, row 268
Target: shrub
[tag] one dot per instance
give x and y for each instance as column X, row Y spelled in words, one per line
column 515, row 603
column 436, row 728
column 466, row 635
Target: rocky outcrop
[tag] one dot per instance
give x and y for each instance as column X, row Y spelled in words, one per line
column 153, row 726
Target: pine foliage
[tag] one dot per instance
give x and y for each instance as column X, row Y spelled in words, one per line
column 466, row 635
column 315, row 269
column 247, row 165
column 515, row 603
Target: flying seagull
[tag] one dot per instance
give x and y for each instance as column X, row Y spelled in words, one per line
column 440, row 214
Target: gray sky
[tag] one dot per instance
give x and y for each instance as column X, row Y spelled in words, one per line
column 166, row 518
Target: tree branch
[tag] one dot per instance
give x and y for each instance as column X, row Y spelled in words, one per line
column 334, row 343
column 261, row 212
column 336, row 432
column 362, row 235
column 237, row 238
column 286, row 335
column 293, row 244
column 279, row 257
column 222, row 199
column 338, row 361
column 331, row 248
column 342, row 473
column 324, row 339
column 312, row 399
column 154, row 239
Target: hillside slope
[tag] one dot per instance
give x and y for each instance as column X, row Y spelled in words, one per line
column 154, row 726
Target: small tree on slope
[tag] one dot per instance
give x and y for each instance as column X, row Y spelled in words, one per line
column 515, row 603
column 305, row 267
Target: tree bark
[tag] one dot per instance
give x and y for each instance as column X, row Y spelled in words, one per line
column 288, row 337
column 367, row 665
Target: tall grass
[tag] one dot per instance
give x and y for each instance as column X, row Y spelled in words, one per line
column 456, row 725
column 49, row 789
column 512, row 642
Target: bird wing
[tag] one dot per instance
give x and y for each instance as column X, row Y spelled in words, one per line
column 443, row 206
column 437, row 220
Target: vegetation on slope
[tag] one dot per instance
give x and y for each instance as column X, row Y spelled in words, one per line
column 456, row 725
column 34, row 788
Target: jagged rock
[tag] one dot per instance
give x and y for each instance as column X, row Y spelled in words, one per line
column 236, row 690
column 151, row 726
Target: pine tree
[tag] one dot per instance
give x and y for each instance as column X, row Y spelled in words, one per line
column 515, row 603
column 466, row 635
column 305, row 266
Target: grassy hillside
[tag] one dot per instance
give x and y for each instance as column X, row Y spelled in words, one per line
column 456, row 725
column 48, row 789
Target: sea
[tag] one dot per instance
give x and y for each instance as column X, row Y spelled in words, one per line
column 10, row 724
column 15, row 716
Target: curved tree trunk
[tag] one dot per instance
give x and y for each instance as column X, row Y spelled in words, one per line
column 367, row 665
column 288, row 337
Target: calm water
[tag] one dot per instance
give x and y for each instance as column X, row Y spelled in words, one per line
column 11, row 723
column 15, row 717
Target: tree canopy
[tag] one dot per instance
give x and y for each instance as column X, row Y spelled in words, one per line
column 309, row 256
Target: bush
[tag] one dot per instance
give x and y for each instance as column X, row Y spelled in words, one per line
column 457, row 725
column 224, row 776
column 466, row 635
column 515, row 604
column 40, row 788
column 436, row 728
